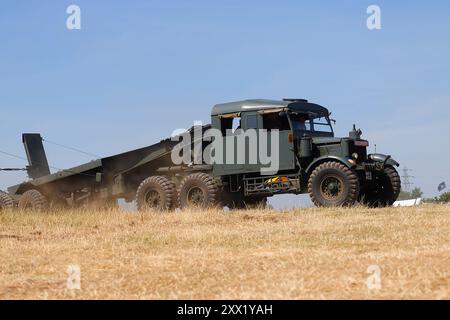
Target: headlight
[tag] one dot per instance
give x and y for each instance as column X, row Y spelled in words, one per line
column 355, row 156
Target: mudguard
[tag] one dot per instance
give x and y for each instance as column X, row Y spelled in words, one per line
column 379, row 157
column 319, row 160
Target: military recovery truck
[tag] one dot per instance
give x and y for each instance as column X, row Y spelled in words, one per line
column 334, row 171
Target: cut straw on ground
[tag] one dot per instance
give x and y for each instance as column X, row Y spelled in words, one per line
column 254, row 254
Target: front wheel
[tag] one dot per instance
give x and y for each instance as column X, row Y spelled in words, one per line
column 383, row 191
column 332, row 184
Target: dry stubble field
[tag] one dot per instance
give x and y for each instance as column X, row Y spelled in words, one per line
column 259, row 254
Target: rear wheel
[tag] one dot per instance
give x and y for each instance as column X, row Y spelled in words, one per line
column 33, row 200
column 332, row 184
column 157, row 193
column 6, row 202
column 383, row 191
column 198, row 190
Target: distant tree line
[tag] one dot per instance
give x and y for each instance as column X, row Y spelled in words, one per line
column 443, row 198
column 417, row 193
column 413, row 194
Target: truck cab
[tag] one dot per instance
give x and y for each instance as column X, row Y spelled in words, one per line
column 293, row 119
column 310, row 159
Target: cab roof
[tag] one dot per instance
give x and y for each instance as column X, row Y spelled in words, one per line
column 298, row 105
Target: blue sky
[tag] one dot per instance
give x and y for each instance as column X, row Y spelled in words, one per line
column 137, row 70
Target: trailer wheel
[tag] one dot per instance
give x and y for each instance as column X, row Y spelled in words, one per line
column 32, row 200
column 384, row 191
column 332, row 184
column 155, row 192
column 6, row 202
column 198, row 190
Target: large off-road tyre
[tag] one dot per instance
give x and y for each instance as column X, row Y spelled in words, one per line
column 6, row 202
column 156, row 193
column 384, row 190
column 33, row 200
column 198, row 190
column 332, row 184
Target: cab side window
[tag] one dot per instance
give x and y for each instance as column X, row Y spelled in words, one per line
column 237, row 124
column 252, row 121
column 273, row 121
column 230, row 124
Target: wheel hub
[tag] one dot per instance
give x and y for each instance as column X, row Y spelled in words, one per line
column 331, row 187
column 196, row 196
column 153, row 199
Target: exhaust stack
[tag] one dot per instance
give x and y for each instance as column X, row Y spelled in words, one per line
column 37, row 159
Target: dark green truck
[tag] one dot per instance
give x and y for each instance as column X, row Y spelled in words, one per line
column 308, row 158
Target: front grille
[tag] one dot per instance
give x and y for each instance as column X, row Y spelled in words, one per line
column 373, row 166
column 369, row 166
